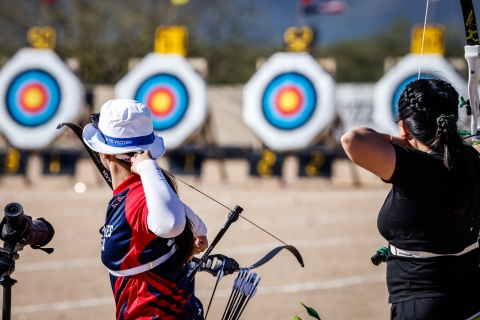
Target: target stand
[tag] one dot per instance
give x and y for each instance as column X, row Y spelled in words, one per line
column 174, row 92
column 202, row 144
column 176, row 96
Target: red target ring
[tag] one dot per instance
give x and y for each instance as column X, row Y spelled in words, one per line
column 289, row 101
column 33, row 98
column 161, row 101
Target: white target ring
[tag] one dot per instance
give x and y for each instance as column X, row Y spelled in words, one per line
column 37, row 92
column 389, row 88
column 289, row 101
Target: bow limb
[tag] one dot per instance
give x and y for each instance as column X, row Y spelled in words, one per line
column 274, row 252
column 472, row 52
column 95, row 156
column 214, row 262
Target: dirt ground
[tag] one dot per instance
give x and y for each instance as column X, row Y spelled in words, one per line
column 332, row 224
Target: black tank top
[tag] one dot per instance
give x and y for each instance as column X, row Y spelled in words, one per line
column 416, row 216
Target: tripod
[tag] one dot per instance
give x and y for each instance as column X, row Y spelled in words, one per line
column 18, row 230
column 8, row 255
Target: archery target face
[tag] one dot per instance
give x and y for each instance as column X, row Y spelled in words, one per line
column 33, row 98
column 37, row 92
column 174, row 92
column 167, row 98
column 388, row 89
column 289, row 101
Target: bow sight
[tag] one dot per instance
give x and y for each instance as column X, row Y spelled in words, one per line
column 18, row 230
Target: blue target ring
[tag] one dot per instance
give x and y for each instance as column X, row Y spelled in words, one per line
column 289, row 101
column 401, row 88
column 167, row 98
column 33, row 98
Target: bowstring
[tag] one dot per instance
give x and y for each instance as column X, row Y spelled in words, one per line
column 423, row 40
column 206, row 195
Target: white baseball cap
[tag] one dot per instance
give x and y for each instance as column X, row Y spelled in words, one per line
column 123, row 126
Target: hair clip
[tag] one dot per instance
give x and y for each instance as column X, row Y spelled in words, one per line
column 442, row 116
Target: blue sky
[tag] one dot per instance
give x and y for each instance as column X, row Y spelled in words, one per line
column 364, row 17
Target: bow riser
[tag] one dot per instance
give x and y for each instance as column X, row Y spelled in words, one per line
column 473, row 60
column 214, row 263
column 232, row 217
column 472, row 51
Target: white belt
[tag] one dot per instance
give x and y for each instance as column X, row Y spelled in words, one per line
column 422, row 254
column 143, row 267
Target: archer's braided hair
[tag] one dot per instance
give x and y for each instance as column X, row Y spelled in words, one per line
column 429, row 110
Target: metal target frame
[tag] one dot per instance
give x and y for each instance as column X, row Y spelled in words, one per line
column 321, row 113
column 173, row 65
column 40, row 134
column 393, row 82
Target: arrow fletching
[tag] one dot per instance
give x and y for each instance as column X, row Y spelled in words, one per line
column 311, row 312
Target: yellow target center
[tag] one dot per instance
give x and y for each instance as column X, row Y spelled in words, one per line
column 161, row 102
column 33, row 98
column 288, row 101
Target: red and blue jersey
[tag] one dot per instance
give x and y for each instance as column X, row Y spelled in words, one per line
column 127, row 243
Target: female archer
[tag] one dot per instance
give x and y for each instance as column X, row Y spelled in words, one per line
column 431, row 217
column 149, row 234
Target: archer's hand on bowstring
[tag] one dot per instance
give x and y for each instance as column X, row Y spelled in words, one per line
column 139, row 157
column 200, row 244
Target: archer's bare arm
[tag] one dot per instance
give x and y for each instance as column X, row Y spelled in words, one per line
column 372, row 150
column 477, row 146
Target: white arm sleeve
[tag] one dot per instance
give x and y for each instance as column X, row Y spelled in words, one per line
column 199, row 228
column 166, row 213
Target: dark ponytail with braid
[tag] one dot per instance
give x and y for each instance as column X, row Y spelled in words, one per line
column 429, row 110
